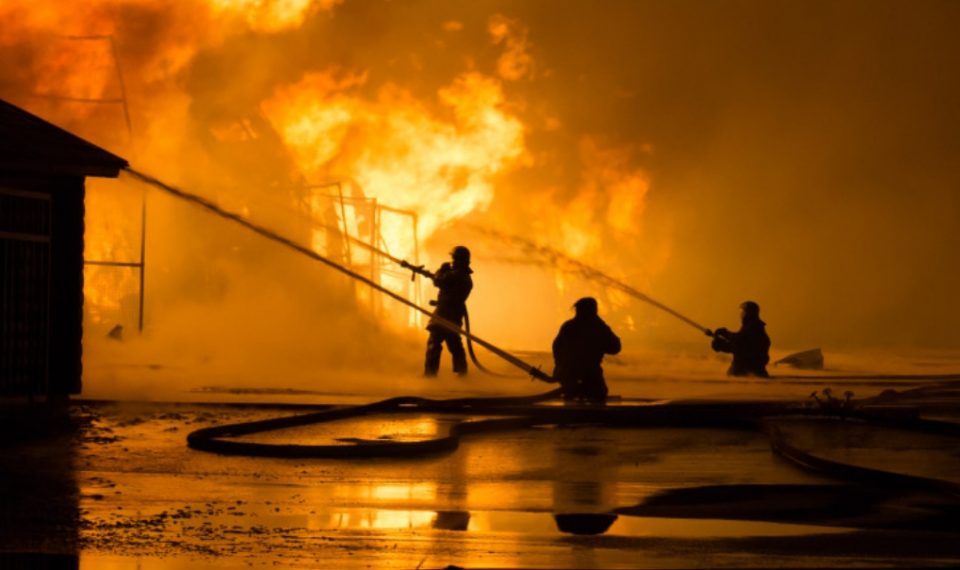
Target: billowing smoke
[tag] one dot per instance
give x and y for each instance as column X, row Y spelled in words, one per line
column 799, row 154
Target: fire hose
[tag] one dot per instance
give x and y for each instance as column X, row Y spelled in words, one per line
column 533, row 371
column 416, row 269
column 473, row 356
column 511, row 412
column 420, row 270
column 584, row 269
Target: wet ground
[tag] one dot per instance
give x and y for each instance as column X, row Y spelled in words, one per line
column 122, row 490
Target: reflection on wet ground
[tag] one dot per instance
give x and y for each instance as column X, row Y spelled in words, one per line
column 128, row 493
column 393, row 427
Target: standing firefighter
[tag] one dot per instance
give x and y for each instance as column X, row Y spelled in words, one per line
column 750, row 345
column 455, row 284
column 578, row 352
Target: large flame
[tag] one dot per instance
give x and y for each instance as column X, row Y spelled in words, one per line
column 431, row 157
column 606, row 211
column 397, row 148
column 270, row 15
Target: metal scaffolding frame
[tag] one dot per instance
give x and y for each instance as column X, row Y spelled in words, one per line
column 122, row 102
column 378, row 265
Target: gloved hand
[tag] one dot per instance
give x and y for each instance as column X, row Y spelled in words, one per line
column 445, row 266
column 415, row 270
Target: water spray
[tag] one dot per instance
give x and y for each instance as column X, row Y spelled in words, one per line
column 558, row 258
column 206, row 204
column 517, row 413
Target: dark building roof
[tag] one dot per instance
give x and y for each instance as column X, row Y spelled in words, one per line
column 28, row 144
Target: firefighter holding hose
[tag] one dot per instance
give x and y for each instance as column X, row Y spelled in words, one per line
column 750, row 345
column 454, row 282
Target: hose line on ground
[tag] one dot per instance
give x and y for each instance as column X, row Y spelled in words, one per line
column 512, row 413
column 473, row 356
column 840, row 470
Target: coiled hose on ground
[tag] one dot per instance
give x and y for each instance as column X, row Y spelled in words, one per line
column 512, row 413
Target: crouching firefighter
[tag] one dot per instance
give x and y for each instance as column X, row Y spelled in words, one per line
column 454, row 282
column 578, row 353
column 750, row 345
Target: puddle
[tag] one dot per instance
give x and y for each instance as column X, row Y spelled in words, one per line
column 527, row 523
column 385, row 427
column 132, row 495
column 374, row 527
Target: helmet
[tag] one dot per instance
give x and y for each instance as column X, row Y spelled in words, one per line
column 586, row 306
column 460, row 255
column 750, row 309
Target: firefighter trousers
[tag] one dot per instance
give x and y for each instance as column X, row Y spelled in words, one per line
column 435, row 341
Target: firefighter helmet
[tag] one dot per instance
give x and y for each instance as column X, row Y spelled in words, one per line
column 460, row 255
column 586, row 306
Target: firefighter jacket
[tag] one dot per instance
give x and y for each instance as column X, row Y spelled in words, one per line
column 582, row 342
column 455, row 284
column 750, row 347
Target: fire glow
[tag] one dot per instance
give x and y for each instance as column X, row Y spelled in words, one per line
column 443, row 154
column 396, row 150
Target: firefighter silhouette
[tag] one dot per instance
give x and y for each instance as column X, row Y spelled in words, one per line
column 750, row 345
column 454, row 282
column 578, row 353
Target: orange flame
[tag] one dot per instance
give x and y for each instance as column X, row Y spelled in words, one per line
column 396, row 148
column 516, row 62
column 443, row 157
column 270, row 15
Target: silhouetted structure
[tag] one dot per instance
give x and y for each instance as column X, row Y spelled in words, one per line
column 42, row 173
column 750, row 345
column 39, row 493
column 578, row 353
column 454, row 281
